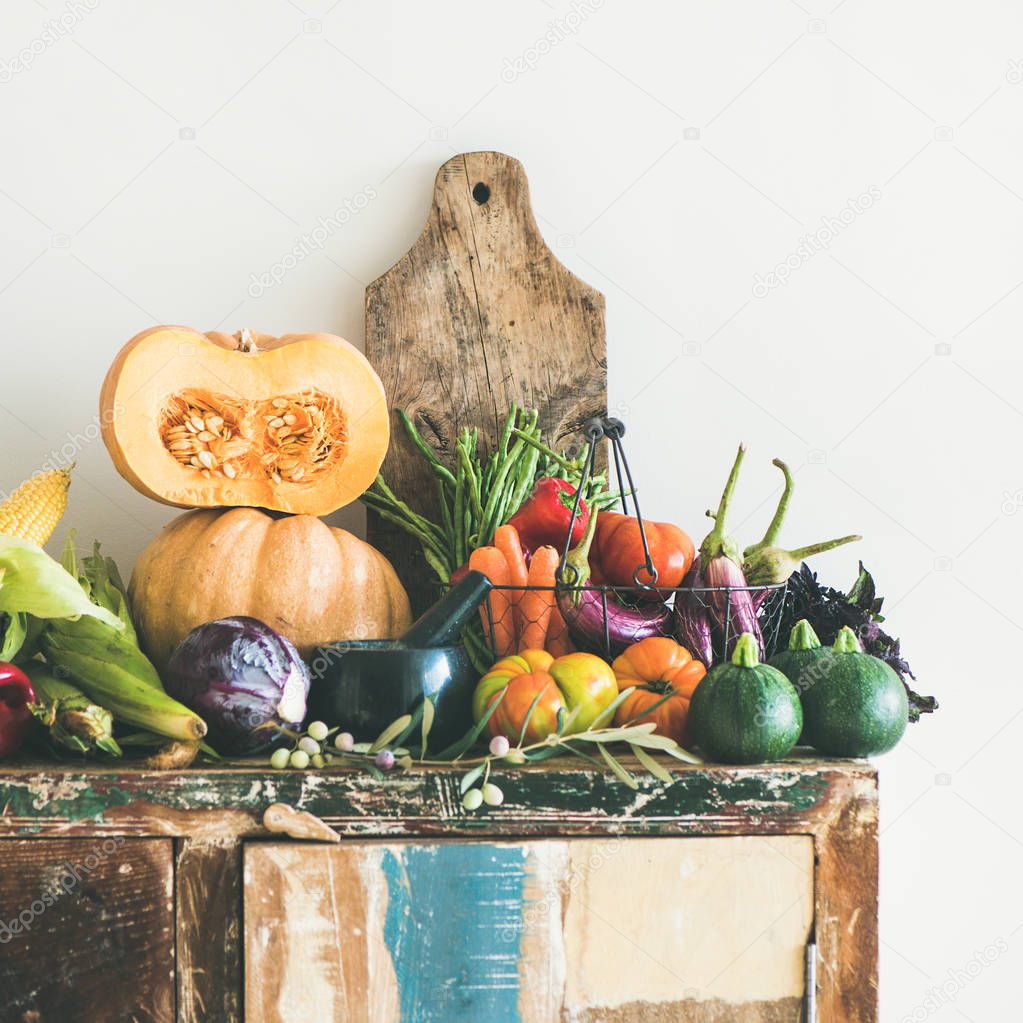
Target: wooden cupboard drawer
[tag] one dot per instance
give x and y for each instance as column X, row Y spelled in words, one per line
column 705, row 930
column 87, row 930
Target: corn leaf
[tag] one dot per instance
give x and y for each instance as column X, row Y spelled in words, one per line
column 13, row 632
column 650, row 764
column 33, row 583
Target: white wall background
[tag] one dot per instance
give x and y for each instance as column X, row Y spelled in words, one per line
column 157, row 155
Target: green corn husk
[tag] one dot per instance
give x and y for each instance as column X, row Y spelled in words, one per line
column 107, row 663
column 118, row 676
column 73, row 720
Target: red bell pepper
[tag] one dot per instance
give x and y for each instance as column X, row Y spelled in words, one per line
column 16, row 693
column 544, row 516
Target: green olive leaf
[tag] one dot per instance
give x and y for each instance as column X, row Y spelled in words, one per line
column 529, row 716
column 392, row 731
column 456, row 749
column 608, row 713
column 428, row 714
column 469, row 779
column 620, row 771
column 627, row 734
column 650, row 764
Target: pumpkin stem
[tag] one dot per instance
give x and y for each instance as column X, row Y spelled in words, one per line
column 746, row 653
column 802, row 636
column 246, row 342
column 846, row 642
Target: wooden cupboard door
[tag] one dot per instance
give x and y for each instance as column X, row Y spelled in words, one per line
column 86, row 930
column 705, row 930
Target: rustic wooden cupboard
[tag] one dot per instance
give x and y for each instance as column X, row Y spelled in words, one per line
column 148, row 897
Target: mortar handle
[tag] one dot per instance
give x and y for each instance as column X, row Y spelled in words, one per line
column 442, row 623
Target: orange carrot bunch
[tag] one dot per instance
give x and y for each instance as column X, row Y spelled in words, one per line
column 526, row 618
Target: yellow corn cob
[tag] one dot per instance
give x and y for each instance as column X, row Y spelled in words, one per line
column 34, row 509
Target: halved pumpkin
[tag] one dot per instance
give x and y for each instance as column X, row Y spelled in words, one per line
column 294, row 424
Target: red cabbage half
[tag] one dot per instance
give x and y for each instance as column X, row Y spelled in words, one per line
column 239, row 674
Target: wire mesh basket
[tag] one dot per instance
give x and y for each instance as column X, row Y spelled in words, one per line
column 621, row 615
column 501, row 617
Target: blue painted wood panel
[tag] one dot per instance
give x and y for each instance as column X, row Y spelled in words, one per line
column 705, row 930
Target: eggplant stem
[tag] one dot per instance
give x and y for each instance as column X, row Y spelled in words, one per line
column 783, row 505
column 716, row 541
column 726, row 494
column 802, row 553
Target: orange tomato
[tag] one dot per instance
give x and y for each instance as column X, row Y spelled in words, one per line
column 578, row 680
column 658, row 667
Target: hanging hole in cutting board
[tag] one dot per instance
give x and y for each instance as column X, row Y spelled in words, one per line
column 480, row 192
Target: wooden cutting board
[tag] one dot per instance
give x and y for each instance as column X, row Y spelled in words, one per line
column 477, row 315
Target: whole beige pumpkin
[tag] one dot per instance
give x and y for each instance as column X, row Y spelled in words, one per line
column 311, row 582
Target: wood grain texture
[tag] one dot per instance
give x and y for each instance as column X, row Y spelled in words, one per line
column 86, row 931
column 834, row 802
column 709, row 929
column 208, row 887
column 847, row 910
column 558, row 797
column 477, row 315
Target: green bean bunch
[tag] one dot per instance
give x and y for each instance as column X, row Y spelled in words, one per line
column 474, row 495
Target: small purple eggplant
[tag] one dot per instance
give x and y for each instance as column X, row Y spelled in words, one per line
column 732, row 609
column 597, row 620
column 692, row 623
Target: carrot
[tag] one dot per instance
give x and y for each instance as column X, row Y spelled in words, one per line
column 491, row 562
column 559, row 639
column 537, row 605
column 506, row 540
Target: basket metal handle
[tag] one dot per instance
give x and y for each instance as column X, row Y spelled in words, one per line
column 613, row 430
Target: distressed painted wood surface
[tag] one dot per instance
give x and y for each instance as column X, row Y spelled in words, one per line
column 563, row 796
column 208, row 939
column 832, row 802
column 477, row 315
column 86, row 931
column 706, row 930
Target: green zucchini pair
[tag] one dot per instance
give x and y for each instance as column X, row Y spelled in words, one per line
column 837, row 699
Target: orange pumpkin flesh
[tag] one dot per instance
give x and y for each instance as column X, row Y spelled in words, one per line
column 296, row 424
column 313, row 583
column 657, row 667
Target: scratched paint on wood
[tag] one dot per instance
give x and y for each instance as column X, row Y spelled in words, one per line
column 579, row 930
column 86, row 931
